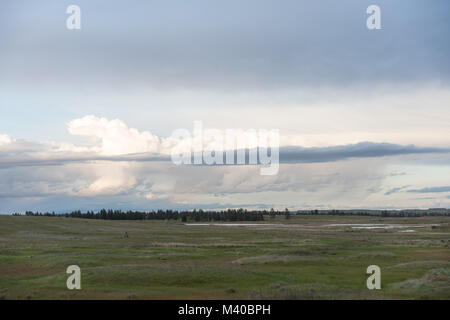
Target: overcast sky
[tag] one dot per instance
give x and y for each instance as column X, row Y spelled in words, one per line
column 363, row 114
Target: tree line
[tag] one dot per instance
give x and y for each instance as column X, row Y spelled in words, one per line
column 232, row 214
column 184, row 216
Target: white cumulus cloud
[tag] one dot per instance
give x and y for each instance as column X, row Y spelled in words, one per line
column 115, row 136
column 4, row 139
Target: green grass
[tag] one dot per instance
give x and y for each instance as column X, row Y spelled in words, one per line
column 168, row 260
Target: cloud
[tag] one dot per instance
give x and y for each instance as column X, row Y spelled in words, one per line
column 108, row 140
column 358, row 150
column 45, row 154
column 395, row 190
column 5, row 139
column 337, row 84
column 137, row 169
column 205, row 44
column 114, row 141
column 115, row 136
column 431, row 190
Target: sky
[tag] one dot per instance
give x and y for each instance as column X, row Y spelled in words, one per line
column 87, row 115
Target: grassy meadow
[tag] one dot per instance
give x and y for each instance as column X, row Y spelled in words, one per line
column 299, row 258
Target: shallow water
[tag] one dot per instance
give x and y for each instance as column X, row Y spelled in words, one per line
column 233, row 224
column 379, row 226
column 366, row 226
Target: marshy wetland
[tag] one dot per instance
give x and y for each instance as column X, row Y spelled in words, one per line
column 304, row 257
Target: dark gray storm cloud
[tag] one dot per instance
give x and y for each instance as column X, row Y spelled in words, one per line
column 431, row 190
column 223, row 44
column 358, row 150
column 395, row 190
column 42, row 155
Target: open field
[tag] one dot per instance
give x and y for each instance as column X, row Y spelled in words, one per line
column 305, row 257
